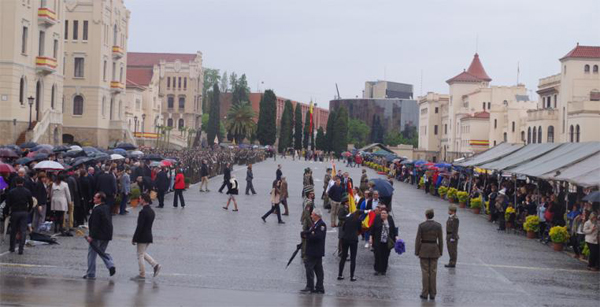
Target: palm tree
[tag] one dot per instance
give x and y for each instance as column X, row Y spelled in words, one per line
column 240, row 121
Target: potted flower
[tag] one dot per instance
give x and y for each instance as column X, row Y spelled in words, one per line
column 559, row 236
column 509, row 216
column 475, row 205
column 462, row 198
column 442, row 191
column 531, row 225
column 187, row 181
column 452, row 195
column 134, row 196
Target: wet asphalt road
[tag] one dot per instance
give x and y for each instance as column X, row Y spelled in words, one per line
column 214, row 257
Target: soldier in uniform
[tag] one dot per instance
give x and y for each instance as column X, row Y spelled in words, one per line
column 307, row 179
column 315, row 251
column 305, row 219
column 324, row 196
column 364, row 181
column 452, row 236
column 429, row 246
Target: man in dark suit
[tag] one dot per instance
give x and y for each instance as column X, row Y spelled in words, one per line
column 204, row 176
column 249, row 178
column 162, row 186
column 429, row 246
column 315, row 251
column 19, row 202
column 101, row 231
column 226, row 177
column 143, row 237
column 278, row 173
column 452, row 236
column 107, row 183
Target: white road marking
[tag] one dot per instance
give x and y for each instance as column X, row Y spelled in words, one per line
column 4, row 253
column 25, row 265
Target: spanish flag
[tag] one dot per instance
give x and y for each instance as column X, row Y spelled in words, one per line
column 351, row 203
column 310, row 110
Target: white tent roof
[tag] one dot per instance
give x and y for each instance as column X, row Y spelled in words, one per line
column 584, row 173
column 490, row 155
column 523, row 155
column 565, row 155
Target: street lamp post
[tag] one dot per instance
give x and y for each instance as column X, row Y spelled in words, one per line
column 134, row 125
column 30, row 100
column 143, row 122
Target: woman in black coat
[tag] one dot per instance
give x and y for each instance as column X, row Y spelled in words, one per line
column 349, row 230
column 382, row 231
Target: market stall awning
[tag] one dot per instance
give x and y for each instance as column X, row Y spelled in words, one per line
column 490, row 155
column 565, row 155
column 584, row 173
column 525, row 154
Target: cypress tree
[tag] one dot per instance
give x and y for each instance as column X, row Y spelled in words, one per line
column 298, row 127
column 285, row 126
column 305, row 139
column 214, row 120
column 267, row 118
column 329, row 137
column 320, row 139
column 340, row 140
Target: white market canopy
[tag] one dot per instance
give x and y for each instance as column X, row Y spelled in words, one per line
column 585, row 173
column 492, row 154
column 523, row 155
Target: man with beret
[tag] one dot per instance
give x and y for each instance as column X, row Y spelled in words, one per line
column 315, row 251
column 429, row 246
column 452, row 236
column 305, row 219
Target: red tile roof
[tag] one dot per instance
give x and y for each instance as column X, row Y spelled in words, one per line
column 150, row 59
column 138, row 76
column 475, row 73
column 483, row 114
column 589, row 52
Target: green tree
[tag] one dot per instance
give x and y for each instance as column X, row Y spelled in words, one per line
column 298, row 127
column 306, row 135
column 395, row 139
column 233, row 80
column 224, row 83
column 211, row 76
column 240, row 121
column 377, row 130
column 241, row 91
column 320, row 142
column 340, row 140
column 329, row 131
column 267, row 118
column 358, row 132
column 204, row 126
column 285, row 127
column 214, row 120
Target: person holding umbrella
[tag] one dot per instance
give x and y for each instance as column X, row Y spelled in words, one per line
column 101, row 231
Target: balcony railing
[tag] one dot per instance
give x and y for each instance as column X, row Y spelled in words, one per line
column 117, row 52
column 45, row 65
column 117, row 87
column 542, row 114
column 46, row 17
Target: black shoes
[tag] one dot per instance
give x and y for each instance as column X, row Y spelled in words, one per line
column 88, row 277
column 306, row 290
column 318, row 292
column 112, row 271
column 352, row 278
column 281, row 222
column 20, row 252
column 432, row 297
column 263, row 218
column 449, row 265
column 340, row 278
column 423, row 297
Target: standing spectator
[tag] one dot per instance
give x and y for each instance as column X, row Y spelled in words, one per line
column 541, row 212
column 283, row 196
column 75, row 199
column 125, row 191
column 577, row 235
column 364, row 181
column 87, row 192
column 335, row 197
column 590, row 229
column 101, row 231
column 383, row 230
column 107, row 184
column 41, row 195
column 278, row 173
column 143, row 237
column 350, row 230
column 315, row 251
column 275, row 199
column 162, row 186
column 60, row 199
column 249, row 177
column 19, row 202
column 232, row 190
column 204, row 175
column 226, row 177
column 179, row 187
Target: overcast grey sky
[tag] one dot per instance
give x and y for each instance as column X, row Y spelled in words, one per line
column 301, row 49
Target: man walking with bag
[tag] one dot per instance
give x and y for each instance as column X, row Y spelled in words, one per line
column 101, row 231
column 143, row 237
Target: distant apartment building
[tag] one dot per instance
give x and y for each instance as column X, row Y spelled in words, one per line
column 320, row 115
column 95, row 36
column 31, row 70
column 143, row 110
column 179, row 81
column 387, row 89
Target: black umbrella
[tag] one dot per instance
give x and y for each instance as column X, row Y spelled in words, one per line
column 153, row 157
column 40, row 156
column 34, row 236
column 80, row 160
column 298, row 248
column 384, row 188
column 13, row 147
column 96, row 248
column 101, row 157
column 593, row 197
column 61, row 148
column 75, row 153
column 29, row 145
column 8, row 153
column 126, row 146
column 24, row 161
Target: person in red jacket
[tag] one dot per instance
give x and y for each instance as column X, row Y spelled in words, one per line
column 179, row 187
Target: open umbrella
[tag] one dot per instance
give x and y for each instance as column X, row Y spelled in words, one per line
column 126, row 146
column 116, row 157
column 6, row 168
column 44, row 150
column 166, row 163
column 79, row 161
column 75, row 153
column 101, row 157
column 384, row 188
column 49, row 165
column 155, row 164
column 406, row 162
column 593, row 197
column 13, row 147
column 298, row 248
column 120, row 151
column 28, row 145
column 24, row 161
column 61, row 148
column 75, row 147
column 8, row 153
column 153, row 157
column 40, row 156
column 136, row 153
column 42, row 146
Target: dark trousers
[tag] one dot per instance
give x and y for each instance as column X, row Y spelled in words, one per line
column 178, row 193
column 18, row 223
column 592, row 263
column 161, row 198
column 382, row 254
column 314, row 266
column 225, row 184
column 59, row 217
column 249, row 187
column 345, row 246
column 542, row 230
column 123, row 205
column 576, row 240
column 274, row 208
column 79, row 214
